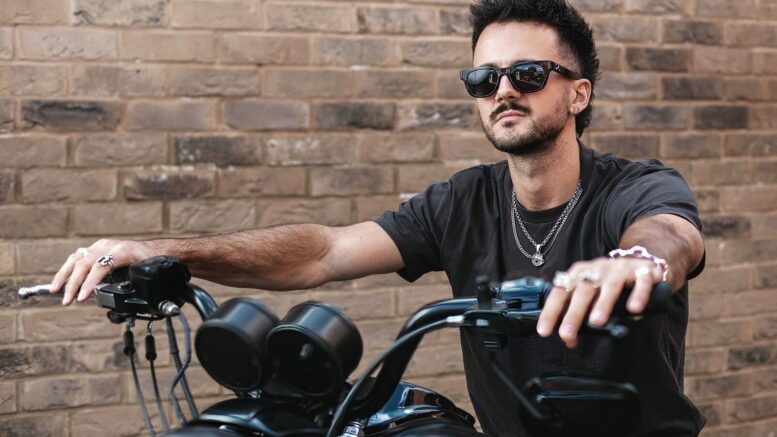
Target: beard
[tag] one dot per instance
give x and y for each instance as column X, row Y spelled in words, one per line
column 540, row 135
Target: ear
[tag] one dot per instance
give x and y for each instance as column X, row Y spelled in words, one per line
column 580, row 96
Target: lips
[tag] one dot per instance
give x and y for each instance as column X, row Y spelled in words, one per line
column 510, row 114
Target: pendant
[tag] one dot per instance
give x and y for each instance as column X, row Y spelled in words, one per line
column 537, row 258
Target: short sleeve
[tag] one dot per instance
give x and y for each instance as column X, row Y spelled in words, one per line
column 418, row 228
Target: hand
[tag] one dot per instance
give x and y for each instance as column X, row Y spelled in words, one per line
column 82, row 271
column 598, row 282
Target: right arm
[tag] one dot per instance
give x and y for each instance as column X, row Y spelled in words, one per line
column 280, row 258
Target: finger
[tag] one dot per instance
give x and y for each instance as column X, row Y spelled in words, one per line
column 644, row 278
column 96, row 274
column 77, row 277
column 608, row 295
column 581, row 300
column 64, row 272
column 551, row 311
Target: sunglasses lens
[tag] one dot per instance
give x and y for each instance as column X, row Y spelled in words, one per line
column 528, row 78
column 481, row 82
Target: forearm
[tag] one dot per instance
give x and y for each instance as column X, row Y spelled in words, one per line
column 279, row 258
column 671, row 238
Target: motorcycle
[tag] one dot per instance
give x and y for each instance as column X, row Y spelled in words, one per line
column 290, row 375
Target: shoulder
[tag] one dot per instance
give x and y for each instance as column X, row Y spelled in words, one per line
column 615, row 167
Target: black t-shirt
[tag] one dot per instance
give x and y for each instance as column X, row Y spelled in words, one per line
column 464, row 227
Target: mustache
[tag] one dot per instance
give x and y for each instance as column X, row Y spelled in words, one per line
column 508, row 106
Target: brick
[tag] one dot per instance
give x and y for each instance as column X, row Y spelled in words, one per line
column 707, row 199
column 7, row 115
column 629, row 146
column 55, row 185
column 747, row 356
column 691, row 146
column 127, row 13
column 625, row 29
column 467, row 146
column 310, row 17
column 120, row 420
column 118, row 149
column 7, row 334
column 303, row 149
column 118, row 219
column 7, row 187
column 765, row 225
column 435, row 360
column 104, row 81
column 212, row 14
column 198, row 82
column 179, row 46
column 296, row 82
column 718, row 333
column 597, row 5
column 752, row 409
column 34, row 12
column 354, row 114
column 742, row 251
column 44, row 43
column 747, row 89
column 652, row 116
column 721, row 117
column 706, row 306
column 726, row 226
column 20, row 361
column 348, row 51
column 449, row 86
column 32, row 221
column 360, row 305
column 413, row 178
column 728, row 172
column 765, row 328
column 705, row 361
column 716, row 387
column 454, row 22
column 7, row 259
column 211, row 216
column 750, row 34
column 393, row 83
column 610, row 57
column 751, row 302
column 750, row 144
column 63, row 392
column 33, row 80
column 7, row 397
column 692, row 31
column 407, row 147
column 722, row 60
column 249, row 48
column 47, row 424
column 45, row 256
column 765, row 172
column 351, row 180
column 221, row 150
column 436, row 52
column 6, row 43
column 397, row 20
column 31, row 151
column 252, row 114
column 268, row 181
column 627, row 86
column 421, row 115
column 326, row 211
column 200, row 383
column 713, row 412
column 167, row 183
column 764, row 62
column 726, row 8
column 369, row 207
column 763, row 117
column 71, row 115
column 607, row 116
column 658, row 59
column 170, row 115
column 658, row 7
column 378, row 334
column 692, row 88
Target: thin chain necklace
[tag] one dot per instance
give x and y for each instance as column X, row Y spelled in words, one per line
column 538, row 258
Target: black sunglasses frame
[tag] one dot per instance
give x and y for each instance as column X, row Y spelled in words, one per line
column 547, row 67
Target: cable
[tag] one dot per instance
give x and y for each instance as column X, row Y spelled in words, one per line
column 129, row 350
column 174, row 353
column 349, row 399
column 181, row 376
column 151, row 356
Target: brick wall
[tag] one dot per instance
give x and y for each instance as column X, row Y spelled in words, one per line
column 143, row 118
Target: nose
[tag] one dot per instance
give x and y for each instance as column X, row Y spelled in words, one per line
column 506, row 91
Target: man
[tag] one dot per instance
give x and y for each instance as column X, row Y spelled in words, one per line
column 554, row 205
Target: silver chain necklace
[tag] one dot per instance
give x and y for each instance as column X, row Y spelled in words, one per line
column 538, row 259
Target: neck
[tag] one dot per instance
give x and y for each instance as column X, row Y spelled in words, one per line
column 548, row 179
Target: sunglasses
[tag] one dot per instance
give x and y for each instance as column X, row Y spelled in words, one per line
column 525, row 76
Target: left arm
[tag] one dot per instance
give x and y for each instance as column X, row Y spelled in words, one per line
column 664, row 235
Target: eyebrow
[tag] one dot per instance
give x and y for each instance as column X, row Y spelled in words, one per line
column 491, row 64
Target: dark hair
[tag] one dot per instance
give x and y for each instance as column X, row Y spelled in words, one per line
column 575, row 36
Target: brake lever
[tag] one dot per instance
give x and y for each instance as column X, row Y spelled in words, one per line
column 612, row 329
column 25, row 293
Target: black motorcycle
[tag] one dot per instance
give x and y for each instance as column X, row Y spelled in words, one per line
column 290, row 375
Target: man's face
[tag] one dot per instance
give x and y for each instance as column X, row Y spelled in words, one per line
column 515, row 122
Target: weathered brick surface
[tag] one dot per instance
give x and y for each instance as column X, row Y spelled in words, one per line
column 144, row 118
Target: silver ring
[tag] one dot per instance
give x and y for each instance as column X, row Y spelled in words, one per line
column 643, row 271
column 106, row 260
column 563, row 280
column 590, row 277
column 82, row 252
